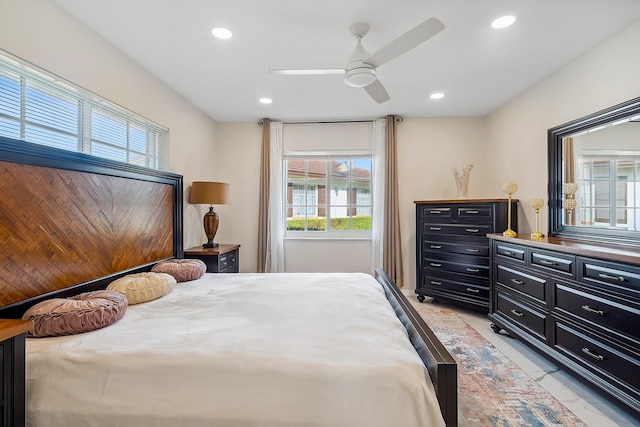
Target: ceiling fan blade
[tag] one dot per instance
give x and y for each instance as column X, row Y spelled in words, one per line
column 306, row 72
column 377, row 92
column 406, row 42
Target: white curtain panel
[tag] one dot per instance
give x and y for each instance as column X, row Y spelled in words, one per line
column 377, row 184
column 275, row 243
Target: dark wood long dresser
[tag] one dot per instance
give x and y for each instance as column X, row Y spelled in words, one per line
column 575, row 302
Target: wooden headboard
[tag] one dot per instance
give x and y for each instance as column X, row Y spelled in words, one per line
column 71, row 222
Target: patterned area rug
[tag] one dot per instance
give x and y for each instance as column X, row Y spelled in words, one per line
column 492, row 389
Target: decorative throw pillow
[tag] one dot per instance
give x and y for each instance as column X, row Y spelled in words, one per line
column 143, row 287
column 81, row 313
column 182, row 269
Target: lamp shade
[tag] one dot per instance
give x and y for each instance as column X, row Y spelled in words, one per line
column 210, row 193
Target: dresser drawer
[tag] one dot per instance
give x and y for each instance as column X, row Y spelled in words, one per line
column 455, row 248
column 594, row 271
column 448, row 283
column 522, row 315
column 601, row 357
column 436, row 213
column 475, row 213
column 459, row 266
column 526, row 283
column 558, row 263
column 475, row 230
column 606, row 313
column 511, row 252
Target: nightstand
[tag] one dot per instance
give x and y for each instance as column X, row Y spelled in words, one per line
column 12, row 374
column 223, row 259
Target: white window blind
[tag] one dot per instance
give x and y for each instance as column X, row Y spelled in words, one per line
column 38, row 107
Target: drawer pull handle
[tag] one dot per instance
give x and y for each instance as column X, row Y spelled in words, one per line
column 472, row 212
column 517, row 282
column 433, row 264
column 435, row 212
column 545, row 262
column 436, row 246
column 433, row 282
column 517, row 313
column 593, row 310
column 508, row 253
column 435, row 228
column 610, row 277
column 589, row 353
column 472, row 270
column 473, row 250
column 472, row 230
column 475, row 291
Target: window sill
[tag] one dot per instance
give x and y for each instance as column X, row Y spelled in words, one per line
column 328, row 237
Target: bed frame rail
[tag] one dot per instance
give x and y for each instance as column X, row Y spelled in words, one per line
column 440, row 364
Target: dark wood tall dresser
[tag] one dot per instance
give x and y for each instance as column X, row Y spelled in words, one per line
column 452, row 248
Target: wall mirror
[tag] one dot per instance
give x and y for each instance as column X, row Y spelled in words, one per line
column 594, row 176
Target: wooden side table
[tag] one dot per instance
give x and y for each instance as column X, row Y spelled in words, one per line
column 12, row 372
column 223, row 259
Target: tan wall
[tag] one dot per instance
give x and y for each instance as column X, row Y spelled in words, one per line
column 43, row 34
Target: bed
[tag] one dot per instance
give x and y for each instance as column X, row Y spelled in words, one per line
column 226, row 349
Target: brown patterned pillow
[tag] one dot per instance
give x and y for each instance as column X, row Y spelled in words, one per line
column 143, row 287
column 182, row 269
column 81, row 313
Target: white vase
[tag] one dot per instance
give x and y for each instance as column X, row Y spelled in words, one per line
column 462, row 180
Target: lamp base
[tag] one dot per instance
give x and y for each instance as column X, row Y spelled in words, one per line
column 210, row 245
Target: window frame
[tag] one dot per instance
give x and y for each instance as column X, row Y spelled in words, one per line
column 327, row 234
column 37, row 120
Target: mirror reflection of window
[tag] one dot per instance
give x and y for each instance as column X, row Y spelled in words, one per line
column 605, row 163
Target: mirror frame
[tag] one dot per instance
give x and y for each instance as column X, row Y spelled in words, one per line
column 555, row 136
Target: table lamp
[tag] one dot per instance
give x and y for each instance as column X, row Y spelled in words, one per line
column 210, row 193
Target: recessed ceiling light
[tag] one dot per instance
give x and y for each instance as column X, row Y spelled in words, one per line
column 266, row 100
column 221, row 33
column 437, row 95
column 503, row 21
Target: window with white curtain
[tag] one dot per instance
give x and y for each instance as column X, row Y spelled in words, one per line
column 38, row 107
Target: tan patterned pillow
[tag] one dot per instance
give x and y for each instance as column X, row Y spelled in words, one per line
column 182, row 269
column 143, row 287
column 81, row 313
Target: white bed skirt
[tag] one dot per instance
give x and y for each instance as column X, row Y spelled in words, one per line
column 239, row 350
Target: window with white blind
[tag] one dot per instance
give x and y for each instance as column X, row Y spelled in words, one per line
column 38, row 107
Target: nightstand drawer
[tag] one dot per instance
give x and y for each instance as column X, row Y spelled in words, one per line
column 223, row 259
column 227, row 263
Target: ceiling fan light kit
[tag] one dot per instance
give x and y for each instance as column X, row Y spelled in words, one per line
column 361, row 75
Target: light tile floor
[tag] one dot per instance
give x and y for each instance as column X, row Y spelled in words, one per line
column 590, row 406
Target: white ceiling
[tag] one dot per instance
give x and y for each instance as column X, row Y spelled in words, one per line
column 478, row 68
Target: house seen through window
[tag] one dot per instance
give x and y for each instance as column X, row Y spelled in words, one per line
column 328, row 193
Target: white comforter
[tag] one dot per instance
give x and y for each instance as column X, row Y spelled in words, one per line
column 238, row 350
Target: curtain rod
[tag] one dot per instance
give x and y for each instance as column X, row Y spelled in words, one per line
column 322, row 122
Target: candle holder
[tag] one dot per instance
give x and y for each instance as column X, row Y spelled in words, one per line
column 509, row 188
column 537, row 204
column 569, row 205
column 569, row 202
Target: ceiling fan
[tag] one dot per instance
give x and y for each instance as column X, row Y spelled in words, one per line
column 360, row 70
